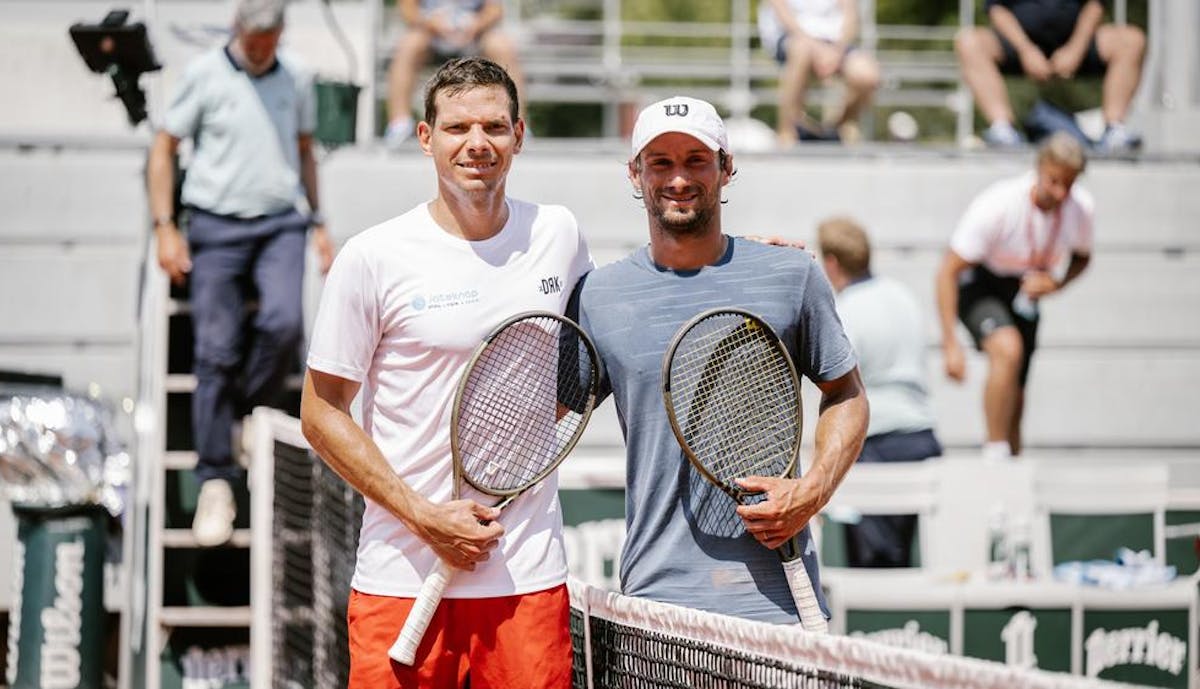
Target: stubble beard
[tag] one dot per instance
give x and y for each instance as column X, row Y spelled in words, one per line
column 685, row 223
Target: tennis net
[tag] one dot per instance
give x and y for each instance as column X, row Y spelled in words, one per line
column 314, row 521
column 630, row 643
column 619, row 642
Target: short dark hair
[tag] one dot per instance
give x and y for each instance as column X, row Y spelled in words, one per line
column 465, row 73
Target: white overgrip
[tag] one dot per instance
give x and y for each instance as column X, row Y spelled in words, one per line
column 404, row 649
column 811, row 617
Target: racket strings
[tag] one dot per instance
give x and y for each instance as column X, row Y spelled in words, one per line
column 736, row 398
column 512, row 427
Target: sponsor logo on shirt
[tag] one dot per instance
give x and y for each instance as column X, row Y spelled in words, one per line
column 444, row 300
column 550, row 285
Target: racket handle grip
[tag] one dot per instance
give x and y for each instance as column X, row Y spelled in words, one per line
column 811, row 617
column 404, row 649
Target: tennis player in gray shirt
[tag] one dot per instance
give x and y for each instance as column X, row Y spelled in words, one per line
column 686, row 545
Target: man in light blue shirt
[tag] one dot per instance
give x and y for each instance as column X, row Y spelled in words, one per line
column 887, row 328
column 251, row 114
column 686, row 545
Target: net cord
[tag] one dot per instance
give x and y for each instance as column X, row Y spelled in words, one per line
column 896, row 667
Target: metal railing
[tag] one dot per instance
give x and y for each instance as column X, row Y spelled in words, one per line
column 613, row 62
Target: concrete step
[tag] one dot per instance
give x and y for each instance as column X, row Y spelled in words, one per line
column 206, row 616
column 183, row 538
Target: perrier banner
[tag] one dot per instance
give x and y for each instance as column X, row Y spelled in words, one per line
column 56, row 631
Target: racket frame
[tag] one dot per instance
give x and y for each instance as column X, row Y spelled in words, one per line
column 750, row 320
column 800, row 583
column 404, row 648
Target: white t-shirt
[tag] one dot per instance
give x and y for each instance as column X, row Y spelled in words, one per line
column 887, row 328
column 1003, row 230
column 820, row 19
column 403, row 308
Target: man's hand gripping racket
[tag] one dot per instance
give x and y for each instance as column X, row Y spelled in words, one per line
column 520, row 407
column 733, row 399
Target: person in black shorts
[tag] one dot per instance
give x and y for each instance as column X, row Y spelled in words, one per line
column 1048, row 39
column 1020, row 240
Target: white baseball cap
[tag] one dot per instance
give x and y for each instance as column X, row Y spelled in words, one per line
column 690, row 116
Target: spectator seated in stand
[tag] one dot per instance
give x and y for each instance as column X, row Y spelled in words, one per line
column 815, row 38
column 440, row 30
column 1045, row 41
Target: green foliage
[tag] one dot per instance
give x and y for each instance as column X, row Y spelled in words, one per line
column 565, row 120
column 677, row 10
column 936, row 124
column 918, row 12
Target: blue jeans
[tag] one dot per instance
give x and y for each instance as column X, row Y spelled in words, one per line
column 240, row 366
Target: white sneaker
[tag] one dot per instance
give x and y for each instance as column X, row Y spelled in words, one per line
column 1117, row 138
column 1003, row 135
column 215, row 511
column 398, row 131
column 997, row 452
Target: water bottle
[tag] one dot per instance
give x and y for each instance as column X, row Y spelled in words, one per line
column 1022, row 568
column 1025, row 307
column 999, row 563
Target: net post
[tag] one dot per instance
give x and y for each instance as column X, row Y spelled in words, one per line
column 580, row 594
column 587, row 643
column 262, row 498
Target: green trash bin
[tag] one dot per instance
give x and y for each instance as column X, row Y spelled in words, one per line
column 56, row 624
column 337, row 112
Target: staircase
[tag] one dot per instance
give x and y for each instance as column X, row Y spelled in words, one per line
column 196, row 621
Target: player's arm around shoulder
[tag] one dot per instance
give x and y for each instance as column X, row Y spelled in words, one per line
column 792, row 503
column 454, row 530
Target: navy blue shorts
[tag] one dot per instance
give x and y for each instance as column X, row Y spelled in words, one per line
column 1092, row 65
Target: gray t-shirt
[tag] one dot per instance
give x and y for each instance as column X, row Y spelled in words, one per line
column 685, row 545
column 246, row 161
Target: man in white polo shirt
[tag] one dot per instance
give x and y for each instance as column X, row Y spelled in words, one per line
column 251, row 113
column 1007, row 254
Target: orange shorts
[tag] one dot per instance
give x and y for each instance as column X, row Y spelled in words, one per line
column 514, row 642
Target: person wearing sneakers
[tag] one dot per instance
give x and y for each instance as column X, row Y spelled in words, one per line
column 815, row 38
column 1049, row 40
column 241, row 196
column 1005, row 256
column 443, row 29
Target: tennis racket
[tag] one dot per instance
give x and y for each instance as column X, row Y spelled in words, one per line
column 733, row 399
column 519, row 409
